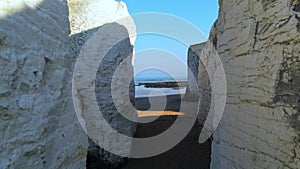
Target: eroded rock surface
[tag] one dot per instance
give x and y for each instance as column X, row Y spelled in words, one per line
column 194, row 54
column 39, row 128
column 108, row 24
column 258, row 42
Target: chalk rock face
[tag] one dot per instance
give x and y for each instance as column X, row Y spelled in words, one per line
column 104, row 29
column 258, row 42
column 194, row 54
column 39, row 128
column 201, row 89
column 91, row 14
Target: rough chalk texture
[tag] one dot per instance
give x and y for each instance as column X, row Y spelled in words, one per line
column 204, row 87
column 38, row 125
column 194, row 54
column 201, row 89
column 258, row 42
column 87, row 17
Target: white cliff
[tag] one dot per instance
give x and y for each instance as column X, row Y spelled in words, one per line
column 258, row 42
column 39, row 128
column 103, row 30
column 39, row 43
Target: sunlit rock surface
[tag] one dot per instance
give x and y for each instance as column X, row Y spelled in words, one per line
column 258, row 42
column 115, row 42
column 39, row 128
column 38, row 122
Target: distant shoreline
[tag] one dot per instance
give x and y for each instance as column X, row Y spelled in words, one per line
column 167, row 84
column 162, row 84
column 147, row 89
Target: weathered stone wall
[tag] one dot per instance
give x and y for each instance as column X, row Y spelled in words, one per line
column 204, row 87
column 193, row 62
column 198, row 89
column 38, row 122
column 87, row 17
column 258, row 42
column 38, row 125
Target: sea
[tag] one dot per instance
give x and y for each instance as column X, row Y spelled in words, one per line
column 141, row 91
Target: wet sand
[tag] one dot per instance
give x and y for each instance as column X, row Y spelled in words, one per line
column 188, row 154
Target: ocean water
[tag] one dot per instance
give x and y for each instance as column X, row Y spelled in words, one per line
column 141, row 91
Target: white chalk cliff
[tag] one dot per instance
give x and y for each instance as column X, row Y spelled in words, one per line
column 39, row 128
column 39, row 43
column 258, row 43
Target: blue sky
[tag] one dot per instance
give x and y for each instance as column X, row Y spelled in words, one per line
column 202, row 14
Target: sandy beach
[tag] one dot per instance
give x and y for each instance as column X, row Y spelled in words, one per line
column 188, row 154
